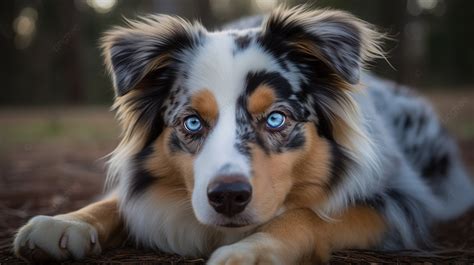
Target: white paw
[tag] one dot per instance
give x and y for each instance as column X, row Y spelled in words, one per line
column 245, row 253
column 46, row 238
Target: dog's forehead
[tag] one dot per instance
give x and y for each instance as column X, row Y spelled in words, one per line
column 223, row 63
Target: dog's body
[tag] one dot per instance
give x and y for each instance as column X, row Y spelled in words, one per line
column 263, row 143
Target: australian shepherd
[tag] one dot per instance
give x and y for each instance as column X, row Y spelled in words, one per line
column 262, row 143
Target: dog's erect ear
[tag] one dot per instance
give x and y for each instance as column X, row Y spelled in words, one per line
column 338, row 39
column 144, row 46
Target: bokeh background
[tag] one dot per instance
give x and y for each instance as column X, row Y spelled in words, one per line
column 55, row 123
column 50, row 55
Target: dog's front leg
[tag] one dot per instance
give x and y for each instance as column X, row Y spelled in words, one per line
column 301, row 237
column 73, row 235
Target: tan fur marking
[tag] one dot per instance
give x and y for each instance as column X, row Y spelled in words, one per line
column 370, row 226
column 311, row 172
column 261, row 99
column 271, row 181
column 175, row 170
column 104, row 216
column 295, row 178
column 357, row 227
column 205, row 103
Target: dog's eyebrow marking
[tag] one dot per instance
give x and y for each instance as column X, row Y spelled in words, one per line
column 274, row 80
column 205, row 104
column 261, row 99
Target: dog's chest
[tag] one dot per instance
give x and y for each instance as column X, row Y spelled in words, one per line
column 172, row 228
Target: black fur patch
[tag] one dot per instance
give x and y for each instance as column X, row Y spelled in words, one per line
column 148, row 104
column 175, row 144
column 340, row 163
column 323, row 93
column 408, row 123
column 428, row 155
column 376, row 201
column 296, row 139
column 245, row 132
column 142, row 178
column 242, row 42
column 274, row 79
column 413, row 211
column 436, row 168
column 421, row 124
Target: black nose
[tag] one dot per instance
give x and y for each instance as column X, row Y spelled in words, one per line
column 229, row 195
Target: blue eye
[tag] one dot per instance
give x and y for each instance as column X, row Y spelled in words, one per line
column 275, row 120
column 192, row 124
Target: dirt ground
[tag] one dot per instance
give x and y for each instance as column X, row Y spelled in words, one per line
column 50, row 163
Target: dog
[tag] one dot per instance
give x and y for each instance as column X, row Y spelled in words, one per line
column 265, row 142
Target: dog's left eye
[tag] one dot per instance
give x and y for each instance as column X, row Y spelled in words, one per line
column 192, row 124
column 275, row 120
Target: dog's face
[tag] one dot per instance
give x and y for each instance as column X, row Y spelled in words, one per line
column 242, row 124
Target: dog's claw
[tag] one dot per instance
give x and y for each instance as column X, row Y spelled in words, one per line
column 63, row 241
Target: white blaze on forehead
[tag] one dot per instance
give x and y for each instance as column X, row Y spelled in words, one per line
column 219, row 149
column 214, row 67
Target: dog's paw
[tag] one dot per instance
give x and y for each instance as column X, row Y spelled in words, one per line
column 246, row 253
column 46, row 238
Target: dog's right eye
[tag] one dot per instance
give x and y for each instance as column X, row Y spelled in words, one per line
column 192, row 124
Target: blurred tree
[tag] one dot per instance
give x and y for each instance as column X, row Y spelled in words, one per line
column 50, row 53
column 70, row 44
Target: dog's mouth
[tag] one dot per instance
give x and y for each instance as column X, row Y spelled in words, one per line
column 234, row 225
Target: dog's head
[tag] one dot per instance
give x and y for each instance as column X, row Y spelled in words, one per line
column 240, row 124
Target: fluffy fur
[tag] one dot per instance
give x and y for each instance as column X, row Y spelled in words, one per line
column 360, row 162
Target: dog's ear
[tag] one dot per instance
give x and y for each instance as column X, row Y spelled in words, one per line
column 339, row 40
column 145, row 46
